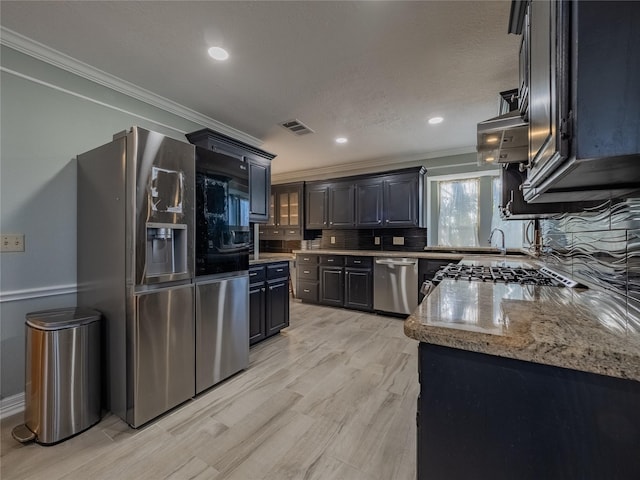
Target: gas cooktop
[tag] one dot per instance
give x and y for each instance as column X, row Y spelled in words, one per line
column 524, row 276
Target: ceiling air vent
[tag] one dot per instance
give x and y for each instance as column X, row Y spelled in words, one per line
column 296, row 127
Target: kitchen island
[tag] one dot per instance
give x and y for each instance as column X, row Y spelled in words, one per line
column 527, row 382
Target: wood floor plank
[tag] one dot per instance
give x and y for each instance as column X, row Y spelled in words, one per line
column 332, row 397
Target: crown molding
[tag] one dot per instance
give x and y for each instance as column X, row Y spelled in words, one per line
column 60, row 60
column 369, row 166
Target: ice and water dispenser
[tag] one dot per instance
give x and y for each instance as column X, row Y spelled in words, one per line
column 166, row 249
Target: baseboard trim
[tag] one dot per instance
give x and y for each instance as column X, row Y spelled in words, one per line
column 11, row 405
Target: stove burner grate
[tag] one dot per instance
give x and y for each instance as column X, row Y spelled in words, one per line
column 524, row 276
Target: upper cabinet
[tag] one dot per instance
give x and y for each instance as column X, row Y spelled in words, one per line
column 582, row 71
column 285, row 212
column 258, row 162
column 386, row 200
column 341, row 214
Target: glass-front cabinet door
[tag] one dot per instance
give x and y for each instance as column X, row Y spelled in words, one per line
column 289, row 209
column 283, row 200
column 272, row 210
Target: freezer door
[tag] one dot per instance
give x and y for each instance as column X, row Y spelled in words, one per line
column 222, row 329
column 162, row 354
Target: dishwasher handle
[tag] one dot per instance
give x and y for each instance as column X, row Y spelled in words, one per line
column 401, row 263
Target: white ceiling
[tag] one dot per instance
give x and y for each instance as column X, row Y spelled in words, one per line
column 371, row 71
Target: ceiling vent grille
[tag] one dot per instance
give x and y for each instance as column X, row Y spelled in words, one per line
column 296, row 127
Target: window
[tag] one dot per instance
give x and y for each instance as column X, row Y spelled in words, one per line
column 464, row 211
column 458, row 213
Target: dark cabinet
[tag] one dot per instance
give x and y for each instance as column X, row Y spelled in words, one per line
column 554, row 423
column 331, row 280
column 369, row 203
column 358, row 283
column 259, row 186
column 341, row 212
column 257, row 303
column 316, row 206
column 582, row 106
column 277, row 302
column 257, row 313
column 258, row 165
column 286, row 207
column 401, row 201
column 268, row 300
column 307, row 277
column 386, row 200
column 332, row 285
column 336, row 280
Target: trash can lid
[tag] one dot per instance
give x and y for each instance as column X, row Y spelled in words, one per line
column 59, row 318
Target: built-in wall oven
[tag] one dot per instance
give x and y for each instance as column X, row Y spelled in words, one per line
column 222, row 267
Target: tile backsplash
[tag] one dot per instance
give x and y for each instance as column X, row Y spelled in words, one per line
column 600, row 246
column 388, row 239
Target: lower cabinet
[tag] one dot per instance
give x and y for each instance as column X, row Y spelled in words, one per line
column 268, row 300
column 504, row 419
column 336, row 280
column 358, row 288
column 332, row 286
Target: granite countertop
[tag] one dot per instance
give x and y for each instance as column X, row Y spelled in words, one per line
column 436, row 254
column 580, row 329
column 270, row 258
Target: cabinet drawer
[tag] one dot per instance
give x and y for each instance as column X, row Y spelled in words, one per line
column 291, row 233
column 307, row 291
column 307, row 272
column 334, row 260
column 277, row 270
column 360, row 262
column 257, row 274
column 304, row 259
column 271, row 233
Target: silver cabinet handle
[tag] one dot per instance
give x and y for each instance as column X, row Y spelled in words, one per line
column 306, row 272
column 306, row 290
column 280, row 270
column 271, row 287
column 357, row 261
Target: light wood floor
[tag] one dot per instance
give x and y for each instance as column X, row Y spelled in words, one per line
column 332, row 397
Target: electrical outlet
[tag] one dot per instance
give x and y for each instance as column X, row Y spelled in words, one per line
column 333, row 240
column 12, row 243
column 398, row 240
column 376, row 240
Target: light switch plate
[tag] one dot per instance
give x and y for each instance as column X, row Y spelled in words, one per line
column 376, row 240
column 12, row 243
column 398, row 240
column 333, row 240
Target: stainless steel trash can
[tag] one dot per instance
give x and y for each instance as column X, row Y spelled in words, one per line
column 62, row 384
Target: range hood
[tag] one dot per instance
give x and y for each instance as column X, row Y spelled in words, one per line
column 503, row 139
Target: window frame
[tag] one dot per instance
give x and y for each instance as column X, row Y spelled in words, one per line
column 433, row 207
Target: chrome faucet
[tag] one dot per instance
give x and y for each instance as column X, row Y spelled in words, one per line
column 503, row 250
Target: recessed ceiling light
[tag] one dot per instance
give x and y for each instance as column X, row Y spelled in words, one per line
column 435, row 120
column 218, row 53
column 341, row 140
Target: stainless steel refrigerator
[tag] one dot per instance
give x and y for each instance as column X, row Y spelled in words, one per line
column 136, row 265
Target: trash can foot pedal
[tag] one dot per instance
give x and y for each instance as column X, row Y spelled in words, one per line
column 22, row 434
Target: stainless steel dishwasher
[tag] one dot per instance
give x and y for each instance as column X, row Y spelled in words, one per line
column 395, row 285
